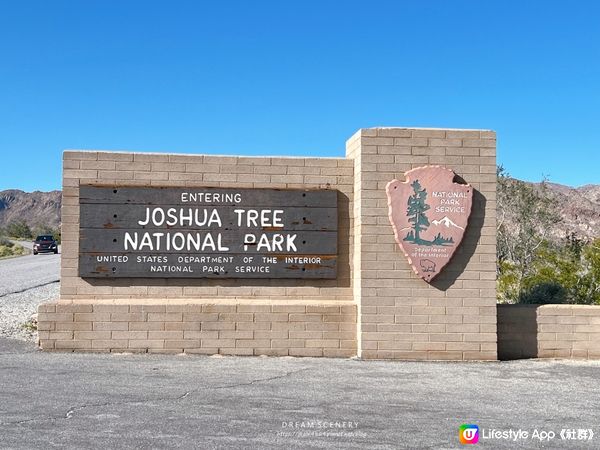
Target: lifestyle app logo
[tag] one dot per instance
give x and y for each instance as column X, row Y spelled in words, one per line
column 468, row 434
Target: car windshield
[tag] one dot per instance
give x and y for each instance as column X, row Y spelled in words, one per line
column 44, row 238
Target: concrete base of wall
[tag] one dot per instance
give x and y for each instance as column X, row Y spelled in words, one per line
column 548, row 331
column 199, row 326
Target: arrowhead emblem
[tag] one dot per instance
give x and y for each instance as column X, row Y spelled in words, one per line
column 429, row 213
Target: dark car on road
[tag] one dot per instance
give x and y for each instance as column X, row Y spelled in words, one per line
column 45, row 244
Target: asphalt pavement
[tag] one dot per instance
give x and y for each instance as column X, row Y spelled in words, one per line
column 26, row 272
column 81, row 401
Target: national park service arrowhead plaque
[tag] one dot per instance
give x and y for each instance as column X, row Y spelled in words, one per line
column 429, row 213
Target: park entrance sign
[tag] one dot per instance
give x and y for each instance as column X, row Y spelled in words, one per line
column 282, row 256
column 429, row 214
column 171, row 232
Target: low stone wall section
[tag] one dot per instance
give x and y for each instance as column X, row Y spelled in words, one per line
column 548, row 331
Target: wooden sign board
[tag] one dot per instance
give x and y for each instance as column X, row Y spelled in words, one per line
column 166, row 232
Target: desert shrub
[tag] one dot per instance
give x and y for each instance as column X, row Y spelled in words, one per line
column 18, row 229
column 7, row 248
column 544, row 293
column 525, row 214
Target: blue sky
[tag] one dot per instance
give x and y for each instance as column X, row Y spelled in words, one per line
column 296, row 78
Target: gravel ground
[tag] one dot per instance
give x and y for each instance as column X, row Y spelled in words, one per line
column 18, row 308
column 25, row 282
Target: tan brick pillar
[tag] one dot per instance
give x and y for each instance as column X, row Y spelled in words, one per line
column 400, row 316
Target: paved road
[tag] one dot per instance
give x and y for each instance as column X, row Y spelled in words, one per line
column 26, row 272
column 151, row 401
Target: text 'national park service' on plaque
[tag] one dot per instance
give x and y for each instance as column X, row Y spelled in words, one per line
column 207, row 232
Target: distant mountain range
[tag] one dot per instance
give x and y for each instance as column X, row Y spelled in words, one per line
column 35, row 208
column 579, row 209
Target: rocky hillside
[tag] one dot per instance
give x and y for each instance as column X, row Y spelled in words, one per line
column 579, row 209
column 35, row 208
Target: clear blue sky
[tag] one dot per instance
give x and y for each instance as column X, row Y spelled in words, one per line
column 296, row 78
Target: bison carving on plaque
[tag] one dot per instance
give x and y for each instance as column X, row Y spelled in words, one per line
column 429, row 213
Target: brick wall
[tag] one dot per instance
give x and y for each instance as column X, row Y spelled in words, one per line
column 231, row 316
column 401, row 316
column 548, row 331
column 377, row 307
